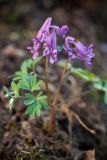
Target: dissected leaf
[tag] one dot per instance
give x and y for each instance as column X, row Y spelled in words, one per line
column 15, row 87
column 35, row 104
column 8, row 93
column 24, row 79
column 35, row 85
column 29, row 101
column 24, row 84
column 36, row 61
column 34, row 109
column 19, row 75
column 43, row 104
column 26, row 64
column 38, row 109
column 30, row 82
column 30, row 111
column 29, row 95
column 29, row 64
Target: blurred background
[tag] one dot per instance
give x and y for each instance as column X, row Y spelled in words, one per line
column 19, row 21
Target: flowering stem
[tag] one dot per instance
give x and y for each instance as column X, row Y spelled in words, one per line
column 52, row 116
column 46, row 80
column 53, row 105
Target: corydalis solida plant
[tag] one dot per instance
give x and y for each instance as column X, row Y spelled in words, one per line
column 45, row 44
column 73, row 49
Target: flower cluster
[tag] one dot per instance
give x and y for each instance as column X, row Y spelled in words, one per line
column 47, row 38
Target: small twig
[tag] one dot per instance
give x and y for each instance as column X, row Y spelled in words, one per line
column 59, row 85
column 26, row 152
column 83, row 124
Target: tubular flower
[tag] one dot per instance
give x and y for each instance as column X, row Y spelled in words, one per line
column 53, row 55
column 47, row 46
column 76, row 50
column 50, row 48
column 44, row 30
column 40, row 38
column 62, row 31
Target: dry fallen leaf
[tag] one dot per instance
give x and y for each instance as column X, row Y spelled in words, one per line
column 86, row 155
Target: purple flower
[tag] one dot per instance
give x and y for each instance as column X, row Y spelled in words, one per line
column 62, row 31
column 47, row 37
column 76, row 50
column 40, row 38
column 44, row 30
column 50, row 48
column 48, row 45
column 53, row 56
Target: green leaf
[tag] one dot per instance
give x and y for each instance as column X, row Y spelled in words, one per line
column 29, row 95
column 39, row 94
column 105, row 86
column 8, row 93
column 30, row 111
column 15, row 87
column 98, row 84
column 30, row 82
column 35, row 85
column 29, row 101
column 43, row 103
column 29, row 64
column 6, row 89
column 36, row 61
column 86, row 75
column 35, row 104
column 38, row 109
column 26, row 64
column 41, row 97
column 24, row 84
column 82, row 73
column 33, row 109
column 30, row 79
column 19, row 75
column 42, row 100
